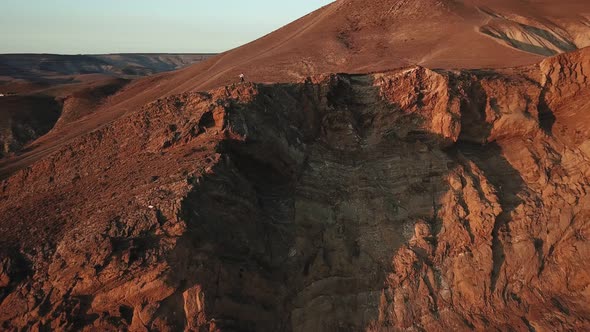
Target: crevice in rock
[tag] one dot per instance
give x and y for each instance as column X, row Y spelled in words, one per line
column 528, row 324
column 559, row 305
column 508, row 184
column 546, row 116
column 474, row 99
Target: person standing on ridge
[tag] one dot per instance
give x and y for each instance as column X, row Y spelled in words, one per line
column 242, row 80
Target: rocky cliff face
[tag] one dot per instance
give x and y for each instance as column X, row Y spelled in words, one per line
column 411, row 199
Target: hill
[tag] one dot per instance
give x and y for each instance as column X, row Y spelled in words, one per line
column 365, row 36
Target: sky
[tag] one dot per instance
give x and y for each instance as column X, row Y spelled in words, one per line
column 136, row 26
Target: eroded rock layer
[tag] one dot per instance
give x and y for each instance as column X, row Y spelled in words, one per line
column 406, row 200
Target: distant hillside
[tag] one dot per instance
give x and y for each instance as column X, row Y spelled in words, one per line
column 43, row 67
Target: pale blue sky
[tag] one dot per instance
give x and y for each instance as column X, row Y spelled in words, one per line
column 117, row 26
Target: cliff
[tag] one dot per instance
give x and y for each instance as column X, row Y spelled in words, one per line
column 408, row 199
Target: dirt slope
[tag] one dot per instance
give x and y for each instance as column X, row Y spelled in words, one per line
column 409, row 199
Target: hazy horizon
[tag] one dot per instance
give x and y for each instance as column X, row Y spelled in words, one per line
column 71, row 27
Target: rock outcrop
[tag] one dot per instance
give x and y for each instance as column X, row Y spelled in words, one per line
column 410, row 199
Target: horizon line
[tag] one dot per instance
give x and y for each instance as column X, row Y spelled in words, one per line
column 116, row 53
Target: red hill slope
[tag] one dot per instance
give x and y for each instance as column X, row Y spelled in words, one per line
column 364, row 36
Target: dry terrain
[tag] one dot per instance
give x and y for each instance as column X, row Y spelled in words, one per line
column 395, row 166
